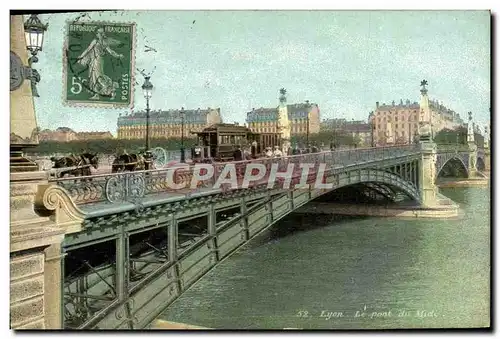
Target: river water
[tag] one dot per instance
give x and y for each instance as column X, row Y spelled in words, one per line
column 324, row 272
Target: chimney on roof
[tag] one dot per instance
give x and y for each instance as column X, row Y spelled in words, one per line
column 401, row 102
column 393, row 102
column 377, row 104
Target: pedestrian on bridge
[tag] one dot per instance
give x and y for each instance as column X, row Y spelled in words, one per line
column 277, row 152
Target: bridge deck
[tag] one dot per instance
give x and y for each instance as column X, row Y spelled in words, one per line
column 91, row 195
column 101, row 208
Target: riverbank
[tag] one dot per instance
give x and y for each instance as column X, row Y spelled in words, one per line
column 444, row 208
column 468, row 182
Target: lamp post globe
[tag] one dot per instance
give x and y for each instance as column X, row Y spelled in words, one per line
column 147, row 88
column 33, row 33
column 34, row 30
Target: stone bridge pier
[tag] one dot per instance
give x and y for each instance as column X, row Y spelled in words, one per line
column 428, row 188
column 433, row 160
column 35, row 233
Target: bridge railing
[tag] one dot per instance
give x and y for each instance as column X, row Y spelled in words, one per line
column 185, row 179
column 452, row 148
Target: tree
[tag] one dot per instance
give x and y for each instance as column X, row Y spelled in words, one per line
column 108, row 146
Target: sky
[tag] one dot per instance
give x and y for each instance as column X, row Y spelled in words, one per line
column 344, row 61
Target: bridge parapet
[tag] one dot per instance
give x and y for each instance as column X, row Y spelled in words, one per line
column 187, row 179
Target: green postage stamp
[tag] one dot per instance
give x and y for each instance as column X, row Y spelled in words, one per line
column 99, row 64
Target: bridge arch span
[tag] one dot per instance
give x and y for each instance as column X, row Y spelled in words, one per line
column 365, row 193
column 375, row 176
column 281, row 206
column 456, row 162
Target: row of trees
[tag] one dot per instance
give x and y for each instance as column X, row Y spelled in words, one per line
column 326, row 137
column 457, row 136
column 113, row 146
column 108, row 146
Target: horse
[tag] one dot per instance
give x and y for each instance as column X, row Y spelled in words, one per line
column 130, row 162
column 83, row 162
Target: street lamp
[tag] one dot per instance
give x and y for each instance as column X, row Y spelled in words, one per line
column 33, row 34
column 147, row 87
column 307, row 128
column 183, row 157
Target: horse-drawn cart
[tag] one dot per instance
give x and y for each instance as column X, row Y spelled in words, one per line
column 74, row 165
column 152, row 159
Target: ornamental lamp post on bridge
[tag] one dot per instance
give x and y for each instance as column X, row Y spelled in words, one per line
column 33, row 33
column 470, row 129
column 183, row 156
column 283, row 123
column 147, row 87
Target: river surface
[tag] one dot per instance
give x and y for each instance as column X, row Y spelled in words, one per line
column 324, row 272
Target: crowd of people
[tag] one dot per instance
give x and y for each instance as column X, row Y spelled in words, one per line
column 251, row 151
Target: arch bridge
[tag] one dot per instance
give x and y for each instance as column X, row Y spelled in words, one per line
column 133, row 243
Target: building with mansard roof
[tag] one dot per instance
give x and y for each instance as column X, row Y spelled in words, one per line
column 265, row 120
column 400, row 121
column 167, row 124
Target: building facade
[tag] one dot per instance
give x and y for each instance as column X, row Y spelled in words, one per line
column 167, row 124
column 62, row 134
column 265, row 120
column 360, row 131
column 66, row 134
column 338, row 123
column 94, row 135
column 398, row 123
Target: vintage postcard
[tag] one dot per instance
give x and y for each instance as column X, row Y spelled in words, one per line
column 250, row 170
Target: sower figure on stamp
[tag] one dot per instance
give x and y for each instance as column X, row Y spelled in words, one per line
column 92, row 57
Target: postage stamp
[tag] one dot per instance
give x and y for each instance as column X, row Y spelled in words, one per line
column 99, row 64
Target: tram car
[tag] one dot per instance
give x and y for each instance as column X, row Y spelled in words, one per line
column 220, row 141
